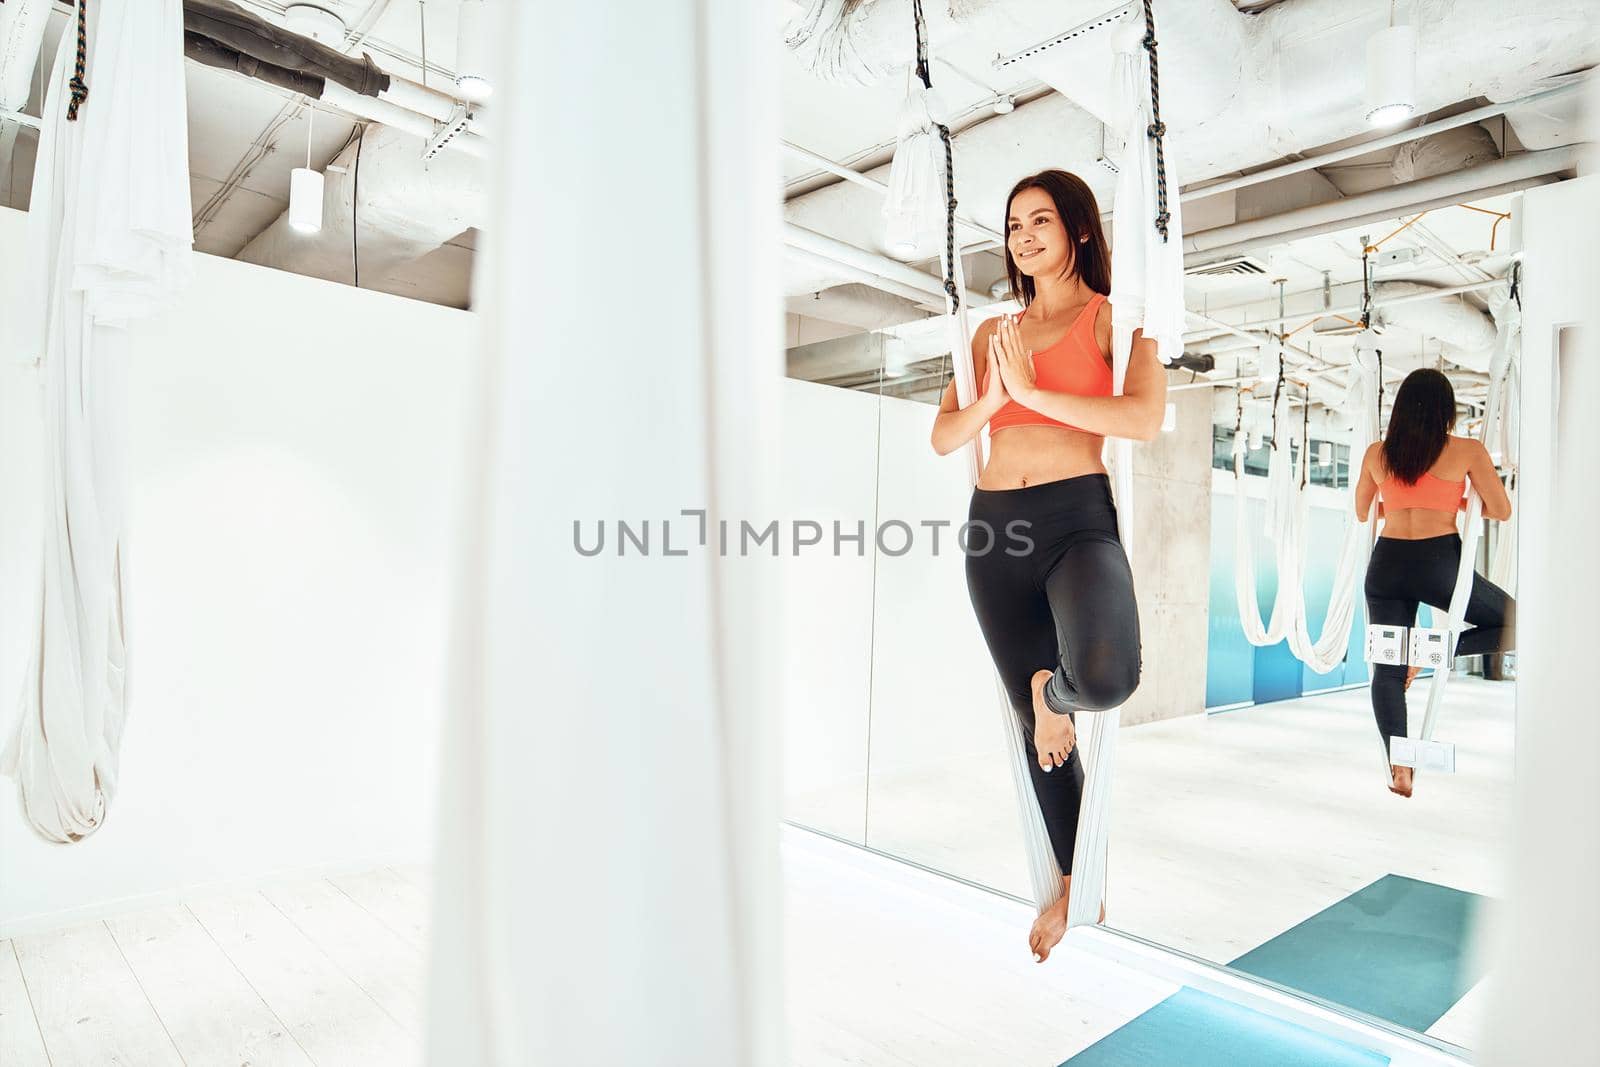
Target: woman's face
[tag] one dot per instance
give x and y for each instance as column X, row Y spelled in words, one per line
column 1035, row 236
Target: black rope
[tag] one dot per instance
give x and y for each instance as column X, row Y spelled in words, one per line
column 1305, row 442
column 1380, row 388
column 923, row 73
column 1366, row 289
column 355, row 200
column 1516, row 283
column 80, row 88
column 1157, row 129
column 1277, row 391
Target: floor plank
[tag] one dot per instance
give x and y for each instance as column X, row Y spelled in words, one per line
column 21, row 1044
column 330, row 1016
column 209, row 1009
column 386, row 966
column 90, row 1007
column 391, row 899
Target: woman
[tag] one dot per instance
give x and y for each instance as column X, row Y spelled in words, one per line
column 1419, row 472
column 1058, row 612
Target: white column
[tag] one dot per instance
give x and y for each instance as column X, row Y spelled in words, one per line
column 1546, row 942
column 607, row 876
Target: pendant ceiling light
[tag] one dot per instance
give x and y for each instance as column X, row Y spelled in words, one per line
column 1392, row 75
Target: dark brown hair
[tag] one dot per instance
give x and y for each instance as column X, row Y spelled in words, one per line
column 1080, row 217
column 1424, row 413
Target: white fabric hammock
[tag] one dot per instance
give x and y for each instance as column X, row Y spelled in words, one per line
column 109, row 226
column 1147, row 294
column 1508, row 340
column 1287, row 515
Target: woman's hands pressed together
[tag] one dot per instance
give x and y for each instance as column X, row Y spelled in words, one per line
column 1006, row 351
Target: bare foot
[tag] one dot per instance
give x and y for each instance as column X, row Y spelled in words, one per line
column 1411, row 675
column 1048, row 930
column 1400, row 783
column 1050, row 927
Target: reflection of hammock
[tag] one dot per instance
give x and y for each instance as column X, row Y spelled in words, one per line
column 1508, row 340
column 1286, row 518
column 1146, row 293
column 1286, row 515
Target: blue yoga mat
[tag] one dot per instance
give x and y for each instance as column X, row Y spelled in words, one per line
column 1195, row 1029
column 1398, row 949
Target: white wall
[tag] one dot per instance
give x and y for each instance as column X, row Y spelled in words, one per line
column 294, row 450
column 1548, row 933
column 830, row 445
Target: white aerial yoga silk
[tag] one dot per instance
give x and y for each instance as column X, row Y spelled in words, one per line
column 607, row 869
column 1508, row 341
column 1286, row 522
column 1504, row 441
column 110, row 228
column 1147, row 294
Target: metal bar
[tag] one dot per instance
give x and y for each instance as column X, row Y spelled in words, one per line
column 926, row 301
column 1104, row 19
column 1388, row 141
column 874, row 184
column 880, row 266
column 1439, row 294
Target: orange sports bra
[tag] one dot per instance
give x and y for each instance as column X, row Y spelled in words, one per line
column 1429, row 492
column 1075, row 364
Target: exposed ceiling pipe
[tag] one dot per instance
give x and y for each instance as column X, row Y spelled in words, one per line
column 1475, row 183
column 1467, row 333
column 246, row 42
column 1295, row 88
column 422, row 126
column 1465, row 118
column 861, row 306
column 1348, row 309
column 872, row 183
column 881, row 266
column 833, row 273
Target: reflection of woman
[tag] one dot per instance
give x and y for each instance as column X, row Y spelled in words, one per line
column 1418, row 470
column 1056, row 608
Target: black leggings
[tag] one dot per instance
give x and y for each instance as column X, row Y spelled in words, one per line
column 1054, row 591
column 1403, row 574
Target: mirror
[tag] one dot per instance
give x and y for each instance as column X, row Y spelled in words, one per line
column 1253, row 822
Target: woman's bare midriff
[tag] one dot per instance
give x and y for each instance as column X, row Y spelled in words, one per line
column 1020, row 456
column 1416, row 524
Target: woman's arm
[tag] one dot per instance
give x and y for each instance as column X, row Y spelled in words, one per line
column 1136, row 414
column 1486, row 480
column 954, row 426
column 1367, row 485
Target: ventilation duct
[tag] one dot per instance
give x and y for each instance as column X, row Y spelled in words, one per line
column 1238, row 91
column 1467, row 333
column 204, row 50
column 1452, row 150
column 406, row 209
column 237, row 30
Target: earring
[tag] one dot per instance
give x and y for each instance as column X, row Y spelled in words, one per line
column 1084, row 239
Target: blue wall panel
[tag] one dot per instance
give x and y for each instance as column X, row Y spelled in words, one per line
column 1237, row 671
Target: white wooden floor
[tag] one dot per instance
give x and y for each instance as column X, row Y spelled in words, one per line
column 315, row 972
column 885, row 965
column 1228, row 830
